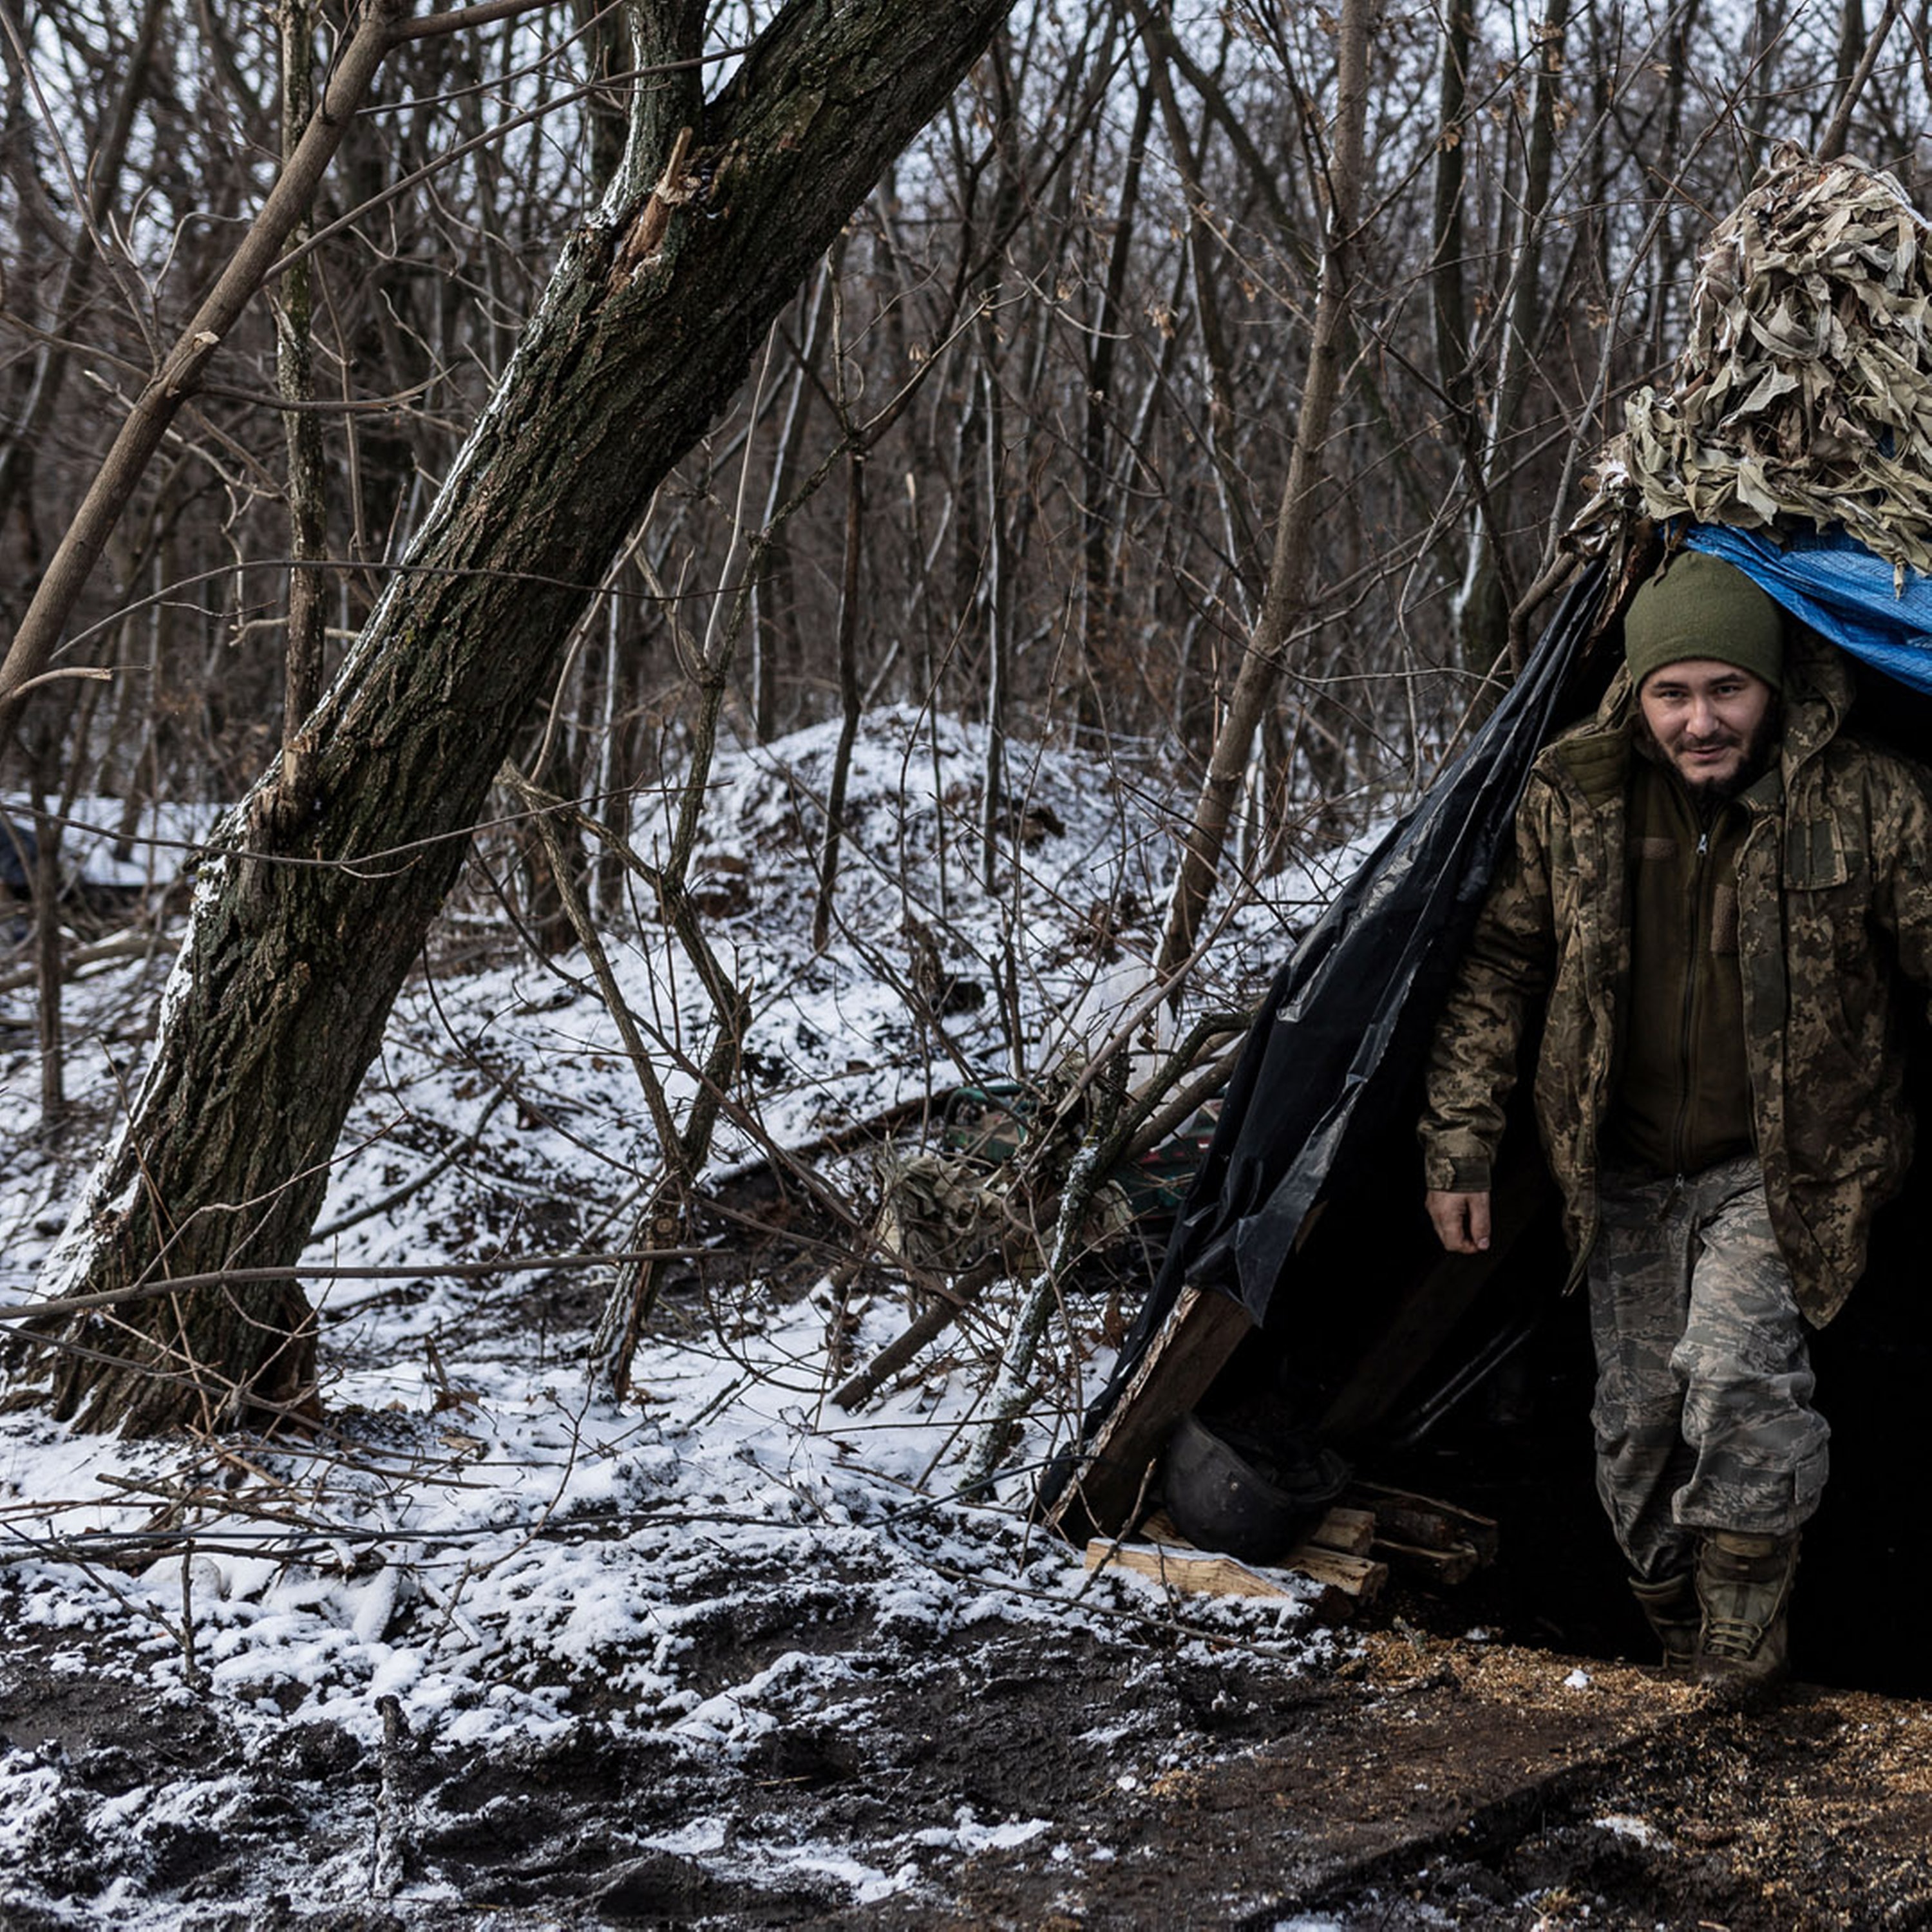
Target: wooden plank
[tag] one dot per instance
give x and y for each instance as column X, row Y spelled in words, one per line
column 1110, row 1485
column 1184, row 1568
column 1198, row 1572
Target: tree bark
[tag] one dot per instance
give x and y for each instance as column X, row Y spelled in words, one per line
column 1099, row 617
column 1203, row 247
column 295, row 379
column 850, row 699
column 1490, row 591
column 1831, row 144
column 1448, row 268
column 313, row 903
column 20, row 446
column 774, row 620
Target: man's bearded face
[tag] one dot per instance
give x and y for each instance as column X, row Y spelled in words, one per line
column 1713, row 721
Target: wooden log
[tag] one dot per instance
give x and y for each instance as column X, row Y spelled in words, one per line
column 1346, row 1579
column 1360, row 1579
column 1185, row 1568
column 1425, row 1522
column 1455, row 1565
column 1351, row 1530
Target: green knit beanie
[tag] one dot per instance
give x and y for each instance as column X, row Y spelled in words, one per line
column 1698, row 606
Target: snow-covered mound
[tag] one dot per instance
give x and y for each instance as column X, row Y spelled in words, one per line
column 481, row 1551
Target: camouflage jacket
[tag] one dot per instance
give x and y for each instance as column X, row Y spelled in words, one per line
column 1834, row 911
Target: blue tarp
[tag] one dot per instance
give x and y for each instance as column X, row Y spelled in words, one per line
column 1842, row 590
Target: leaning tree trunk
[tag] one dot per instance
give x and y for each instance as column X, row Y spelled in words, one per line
column 315, row 901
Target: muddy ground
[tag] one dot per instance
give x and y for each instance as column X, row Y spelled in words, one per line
column 1414, row 1779
column 1489, row 1756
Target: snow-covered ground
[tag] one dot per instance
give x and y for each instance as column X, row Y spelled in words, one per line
column 482, row 1551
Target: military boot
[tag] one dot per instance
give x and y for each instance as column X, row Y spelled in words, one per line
column 1670, row 1607
column 1743, row 1585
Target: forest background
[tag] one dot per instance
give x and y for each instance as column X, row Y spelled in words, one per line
column 1203, row 389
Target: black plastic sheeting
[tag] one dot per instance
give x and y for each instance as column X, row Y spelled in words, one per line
column 1333, row 1054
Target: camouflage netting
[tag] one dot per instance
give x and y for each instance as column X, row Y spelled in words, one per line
column 1803, row 397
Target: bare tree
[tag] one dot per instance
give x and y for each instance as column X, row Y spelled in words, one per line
column 1073, row 378
column 1283, row 602
column 315, row 902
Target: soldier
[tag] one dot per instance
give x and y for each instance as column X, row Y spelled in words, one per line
column 1716, row 893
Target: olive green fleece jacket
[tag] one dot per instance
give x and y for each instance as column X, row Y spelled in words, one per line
column 1681, row 1094
column 1833, row 885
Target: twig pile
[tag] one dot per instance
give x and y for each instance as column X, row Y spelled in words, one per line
column 1804, row 394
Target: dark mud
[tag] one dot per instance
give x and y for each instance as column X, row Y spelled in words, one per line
column 1413, row 1781
column 1067, row 1770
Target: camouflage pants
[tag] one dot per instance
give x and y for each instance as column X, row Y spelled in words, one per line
column 1703, row 1414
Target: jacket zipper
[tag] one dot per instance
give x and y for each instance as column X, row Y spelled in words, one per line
column 1686, row 1037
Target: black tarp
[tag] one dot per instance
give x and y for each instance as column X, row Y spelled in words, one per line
column 1331, row 1065
column 1307, row 1210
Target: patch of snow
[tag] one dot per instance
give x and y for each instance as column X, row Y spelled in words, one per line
column 1638, row 1830
column 481, row 1543
column 968, row 1834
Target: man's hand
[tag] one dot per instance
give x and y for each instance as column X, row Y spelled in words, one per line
column 1462, row 1221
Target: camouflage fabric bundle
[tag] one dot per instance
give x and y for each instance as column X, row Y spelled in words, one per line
column 1804, row 394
